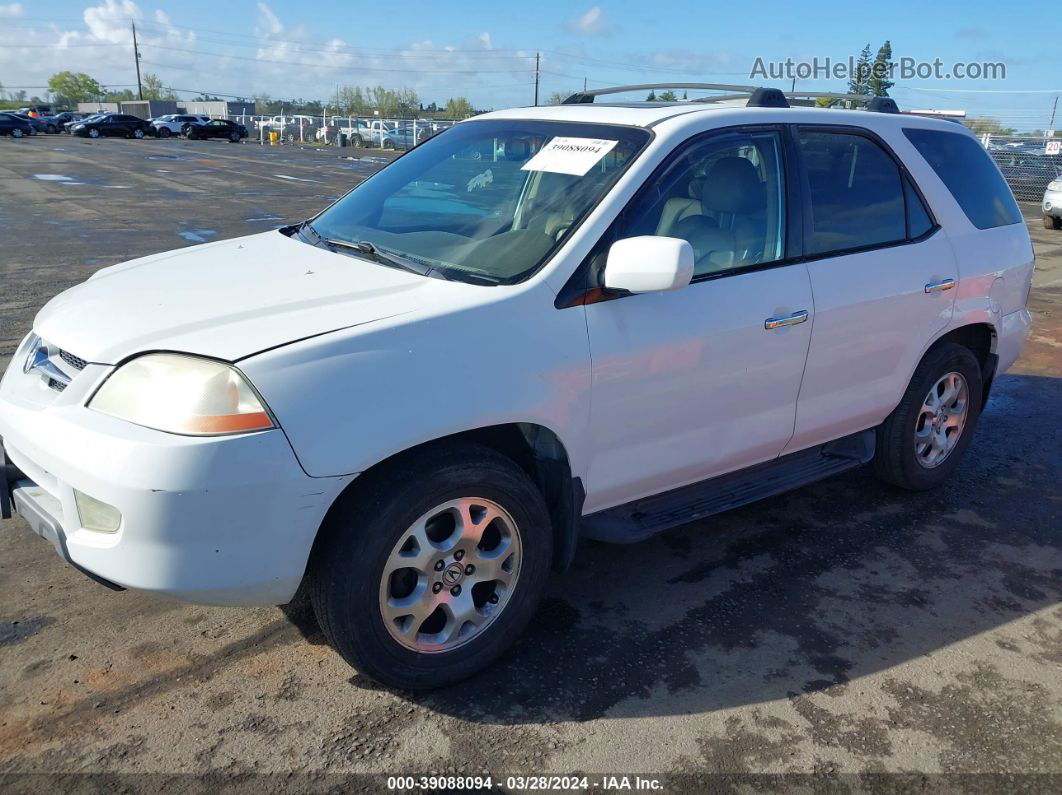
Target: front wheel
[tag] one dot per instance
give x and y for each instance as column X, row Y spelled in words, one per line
column 1052, row 222
column 93, row 133
column 138, row 133
column 164, row 132
column 16, row 132
column 52, row 129
column 433, row 566
column 234, row 137
column 921, row 443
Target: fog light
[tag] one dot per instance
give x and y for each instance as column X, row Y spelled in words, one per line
column 96, row 515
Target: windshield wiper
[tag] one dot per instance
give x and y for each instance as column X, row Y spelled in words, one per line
column 390, row 259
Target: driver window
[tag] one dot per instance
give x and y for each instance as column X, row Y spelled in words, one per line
column 725, row 196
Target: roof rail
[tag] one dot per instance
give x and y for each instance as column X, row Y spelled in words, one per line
column 582, row 97
column 767, row 98
column 883, row 105
column 758, row 96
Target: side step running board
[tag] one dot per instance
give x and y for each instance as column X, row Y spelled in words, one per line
column 642, row 518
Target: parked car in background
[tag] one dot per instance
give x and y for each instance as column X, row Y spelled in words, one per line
column 60, row 120
column 14, row 125
column 1028, row 172
column 216, row 128
column 35, row 122
column 174, row 123
column 1052, row 205
column 69, row 125
column 113, row 125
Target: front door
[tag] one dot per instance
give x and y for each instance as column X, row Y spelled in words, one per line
column 692, row 383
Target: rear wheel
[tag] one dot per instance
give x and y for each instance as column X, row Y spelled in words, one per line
column 921, row 443
column 52, row 129
column 138, row 133
column 234, row 137
column 164, row 132
column 432, row 568
column 16, row 132
column 1052, row 222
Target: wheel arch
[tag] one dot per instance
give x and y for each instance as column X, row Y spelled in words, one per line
column 981, row 339
column 539, row 452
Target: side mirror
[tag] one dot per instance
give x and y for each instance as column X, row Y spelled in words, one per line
column 649, row 264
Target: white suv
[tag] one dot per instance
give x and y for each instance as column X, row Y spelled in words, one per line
column 175, row 123
column 542, row 324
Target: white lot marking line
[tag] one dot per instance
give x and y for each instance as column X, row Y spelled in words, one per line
column 125, row 187
column 52, row 177
column 268, row 218
column 297, row 179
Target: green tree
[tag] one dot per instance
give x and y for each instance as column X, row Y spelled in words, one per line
column 558, row 97
column 878, row 82
column 858, row 82
column 459, row 108
column 988, row 125
column 69, row 88
column 651, row 97
column 669, row 96
column 153, row 88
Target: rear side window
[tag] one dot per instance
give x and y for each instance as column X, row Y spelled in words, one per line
column 918, row 220
column 857, row 196
column 971, row 176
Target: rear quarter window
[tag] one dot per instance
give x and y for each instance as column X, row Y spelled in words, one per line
column 968, row 172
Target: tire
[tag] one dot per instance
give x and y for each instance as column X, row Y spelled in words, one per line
column 190, row 135
column 365, row 531
column 138, row 133
column 1052, row 222
column 388, row 144
column 16, row 132
column 164, row 132
column 93, row 133
column 52, row 129
column 899, row 459
column 234, row 138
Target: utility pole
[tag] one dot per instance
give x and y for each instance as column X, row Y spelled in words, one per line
column 538, row 55
column 136, row 57
column 1054, row 107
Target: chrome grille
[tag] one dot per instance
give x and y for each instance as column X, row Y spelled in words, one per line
column 74, row 361
column 58, row 386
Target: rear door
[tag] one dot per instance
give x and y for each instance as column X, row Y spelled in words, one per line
column 882, row 273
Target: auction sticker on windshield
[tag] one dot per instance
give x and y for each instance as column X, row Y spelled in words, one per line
column 573, row 156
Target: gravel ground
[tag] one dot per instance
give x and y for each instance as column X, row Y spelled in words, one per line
column 835, row 637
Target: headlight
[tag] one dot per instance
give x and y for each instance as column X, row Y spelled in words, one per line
column 1055, row 185
column 79, row 126
column 182, row 394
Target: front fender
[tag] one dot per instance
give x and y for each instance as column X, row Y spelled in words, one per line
column 352, row 398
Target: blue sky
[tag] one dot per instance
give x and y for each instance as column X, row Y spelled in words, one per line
column 485, row 50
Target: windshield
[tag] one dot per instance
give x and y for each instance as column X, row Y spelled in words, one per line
column 485, row 201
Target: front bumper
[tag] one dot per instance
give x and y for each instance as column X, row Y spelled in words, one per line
column 215, row 520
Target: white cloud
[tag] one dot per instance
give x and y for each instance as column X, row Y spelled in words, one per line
column 592, row 23
column 10, row 11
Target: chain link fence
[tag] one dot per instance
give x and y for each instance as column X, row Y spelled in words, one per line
column 1028, row 164
column 334, row 130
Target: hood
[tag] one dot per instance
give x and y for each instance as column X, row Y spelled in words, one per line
column 231, row 299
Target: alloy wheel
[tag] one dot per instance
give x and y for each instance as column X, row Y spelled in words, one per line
column 450, row 575
column 941, row 420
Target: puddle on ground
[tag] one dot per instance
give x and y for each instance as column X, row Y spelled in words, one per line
column 197, row 235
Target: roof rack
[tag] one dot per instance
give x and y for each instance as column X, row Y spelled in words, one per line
column 757, row 96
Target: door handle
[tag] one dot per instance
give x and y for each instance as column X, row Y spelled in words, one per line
column 941, row 286
column 786, row 320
